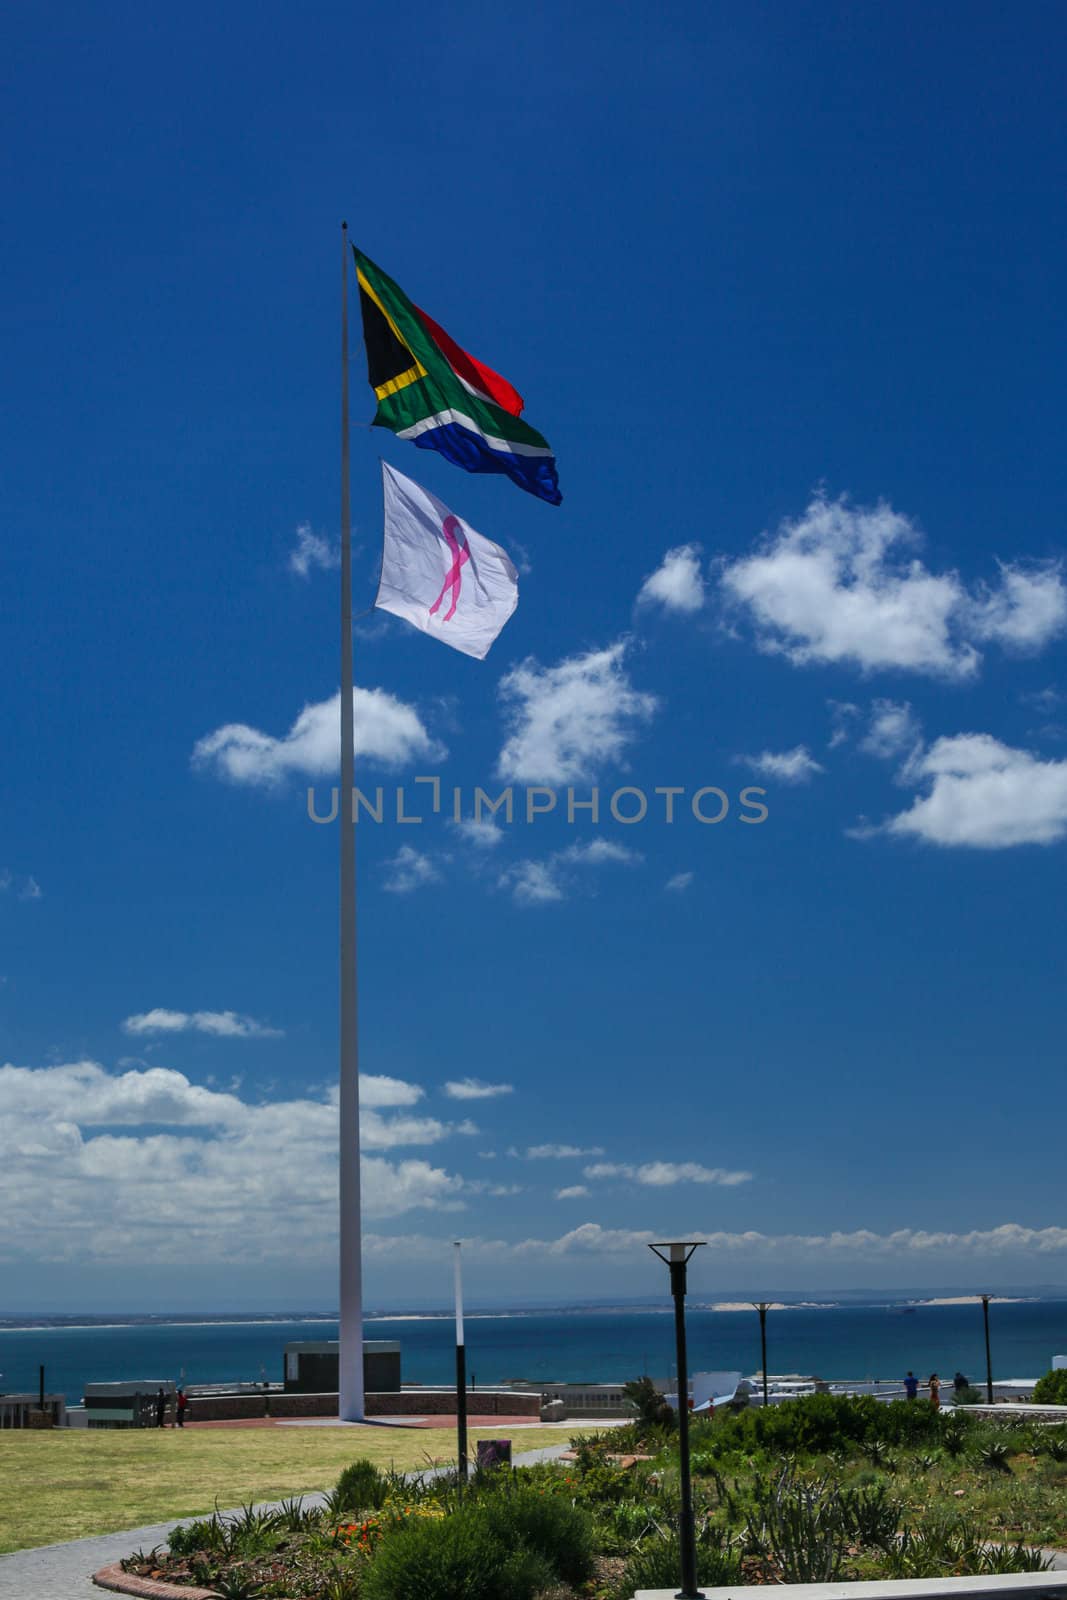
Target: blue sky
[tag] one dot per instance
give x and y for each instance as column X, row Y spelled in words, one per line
column 782, row 285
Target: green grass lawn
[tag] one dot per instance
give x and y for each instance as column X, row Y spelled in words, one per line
column 69, row 1483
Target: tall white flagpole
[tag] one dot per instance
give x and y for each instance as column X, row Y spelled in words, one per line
column 350, row 1366
column 461, row 1369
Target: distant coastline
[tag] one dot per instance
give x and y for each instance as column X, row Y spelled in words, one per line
column 43, row 1322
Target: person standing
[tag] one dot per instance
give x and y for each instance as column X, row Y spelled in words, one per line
column 181, row 1405
column 935, row 1391
column 161, row 1408
column 911, row 1386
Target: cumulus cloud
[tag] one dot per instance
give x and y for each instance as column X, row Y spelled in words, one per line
column 559, row 1152
column 599, row 852
column 388, row 731
column 893, row 730
column 481, row 832
column 536, row 883
column 574, row 1191
column 842, row 716
column 567, row 721
column 999, row 1245
column 532, row 883
column 474, row 1089
column 679, row 883
column 843, row 585
column 787, row 766
column 25, row 888
column 1027, row 609
column 312, row 550
column 665, row 1174
column 408, row 870
column 219, row 1024
column 983, row 794
column 377, row 1090
column 677, row 583
column 145, row 1165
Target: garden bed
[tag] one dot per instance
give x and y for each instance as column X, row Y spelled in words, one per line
column 820, row 1490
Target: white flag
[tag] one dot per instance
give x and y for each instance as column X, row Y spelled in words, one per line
column 438, row 573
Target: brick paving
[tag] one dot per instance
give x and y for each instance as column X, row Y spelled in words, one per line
column 64, row 1571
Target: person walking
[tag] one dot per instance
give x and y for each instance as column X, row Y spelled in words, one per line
column 959, row 1383
column 181, row 1405
column 161, row 1408
column 911, row 1386
column 935, row 1391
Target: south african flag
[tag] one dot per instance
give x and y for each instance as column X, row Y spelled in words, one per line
column 435, row 394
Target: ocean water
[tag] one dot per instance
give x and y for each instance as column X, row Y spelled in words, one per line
column 843, row 1341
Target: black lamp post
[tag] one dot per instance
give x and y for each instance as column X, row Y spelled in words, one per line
column 763, row 1306
column 677, row 1259
column 988, row 1357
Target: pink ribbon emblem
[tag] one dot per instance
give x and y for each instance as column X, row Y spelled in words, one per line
column 456, row 540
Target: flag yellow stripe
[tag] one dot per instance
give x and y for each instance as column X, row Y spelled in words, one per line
column 394, row 386
column 415, row 372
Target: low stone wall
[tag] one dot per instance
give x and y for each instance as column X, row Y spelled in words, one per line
column 390, row 1403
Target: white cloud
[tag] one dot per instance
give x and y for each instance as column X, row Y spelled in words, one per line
column 907, row 1245
column 220, row 1024
column 788, row 766
column 893, row 730
column 567, row 721
column 408, row 870
column 481, row 1186
column 576, row 1191
column 535, row 883
column 312, row 550
column 388, row 731
column 598, row 853
column 1008, row 1238
column 1026, row 611
column 25, row 888
column 88, row 1175
column 664, row 1174
column 984, row 794
column 842, row 714
column 679, row 883
column 559, row 1152
column 473, row 1089
column 677, row 583
column 532, row 883
column 378, row 1090
column 482, row 832
column 843, row 585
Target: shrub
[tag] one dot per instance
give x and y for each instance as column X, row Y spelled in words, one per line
column 802, row 1526
column 996, row 1456
column 870, row 1515
column 1051, row 1390
column 657, row 1564
column 649, row 1404
column 968, row 1396
column 954, row 1434
column 457, row 1558
column 819, row 1424
column 361, row 1487
column 560, row 1532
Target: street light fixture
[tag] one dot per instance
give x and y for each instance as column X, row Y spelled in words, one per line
column 677, row 1259
column 763, row 1306
column 988, row 1357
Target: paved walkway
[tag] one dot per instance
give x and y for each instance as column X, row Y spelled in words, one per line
column 64, row 1571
